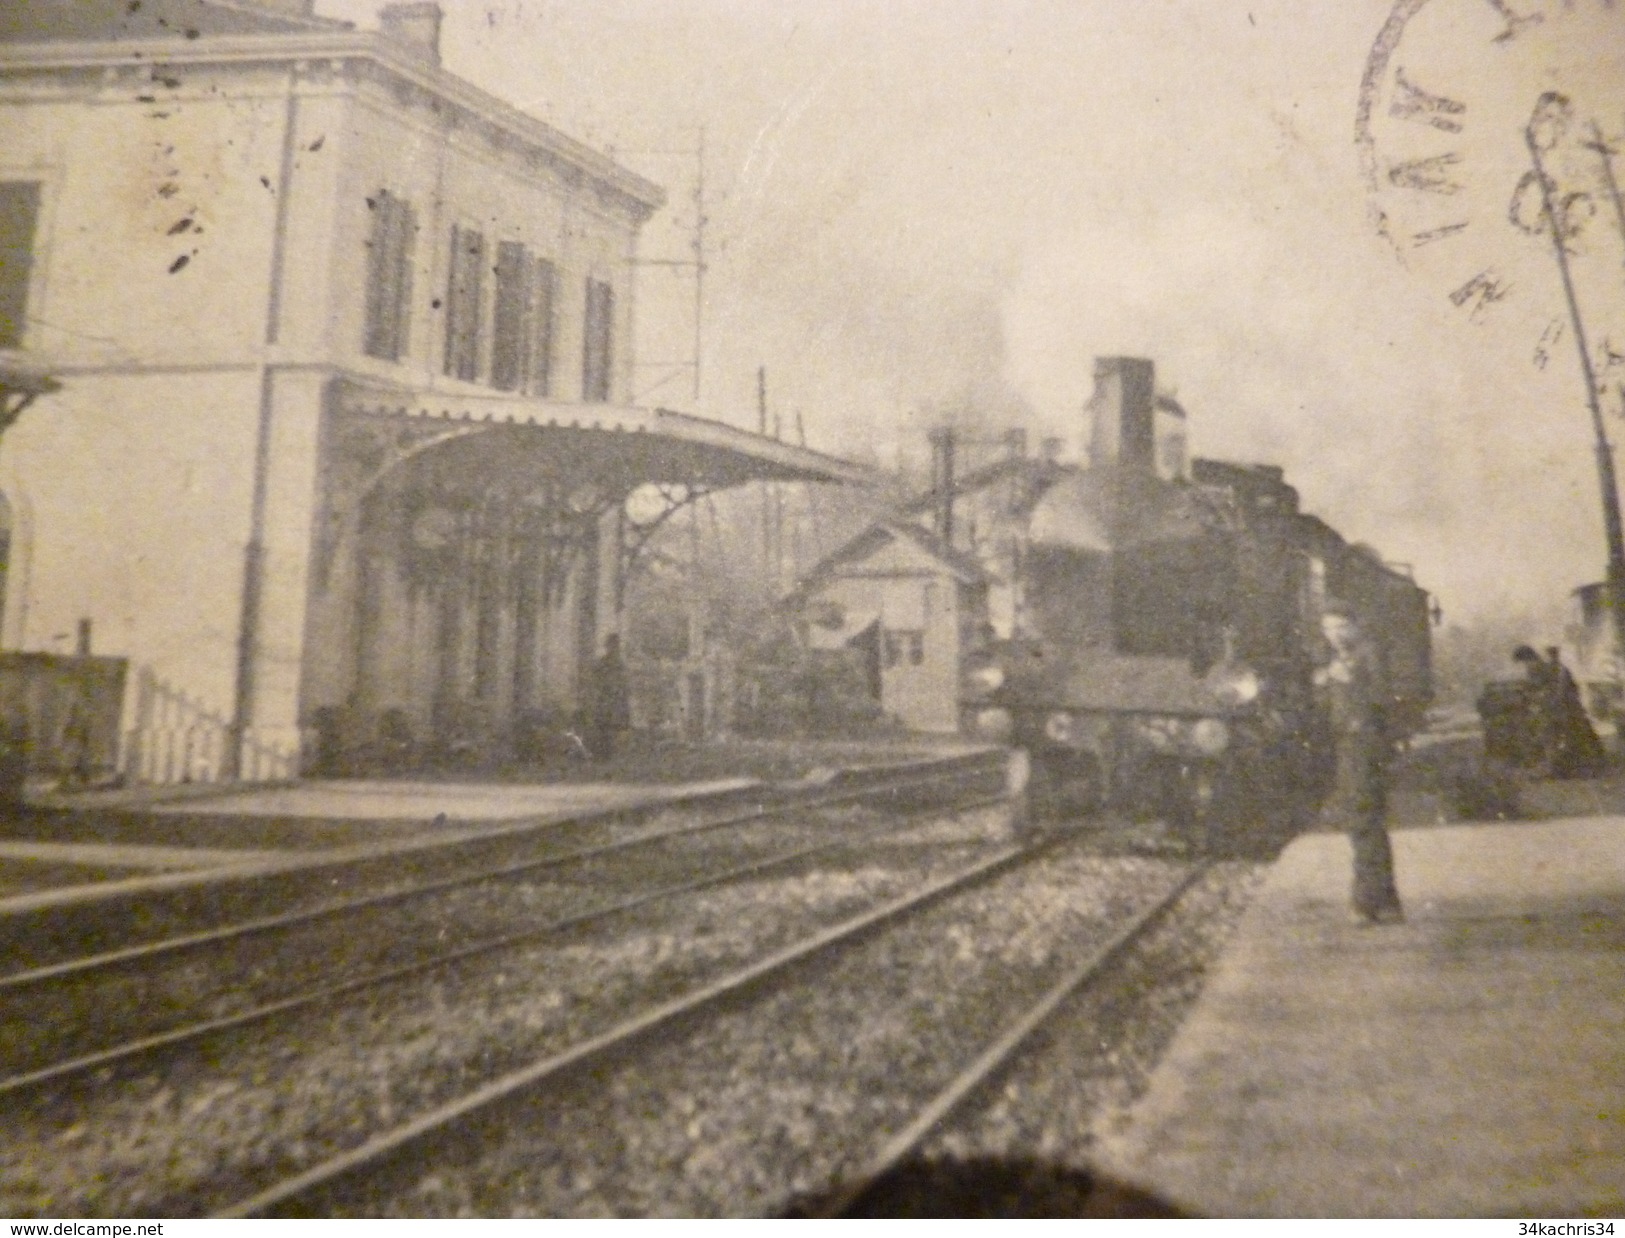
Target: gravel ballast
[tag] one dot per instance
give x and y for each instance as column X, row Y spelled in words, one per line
column 777, row 1100
column 81, row 1014
column 266, row 1101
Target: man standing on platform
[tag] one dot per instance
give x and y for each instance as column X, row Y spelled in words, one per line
column 1351, row 690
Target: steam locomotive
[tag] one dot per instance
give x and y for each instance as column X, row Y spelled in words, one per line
column 1164, row 663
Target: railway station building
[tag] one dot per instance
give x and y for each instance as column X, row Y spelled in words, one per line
column 345, row 439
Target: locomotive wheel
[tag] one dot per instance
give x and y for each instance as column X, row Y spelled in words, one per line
column 1254, row 813
column 1067, row 783
column 1195, row 805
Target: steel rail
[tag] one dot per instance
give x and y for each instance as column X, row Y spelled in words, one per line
column 444, row 1120
column 58, row 1072
column 112, row 959
column 999, row 1055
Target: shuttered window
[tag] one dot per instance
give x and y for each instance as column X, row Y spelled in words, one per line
column 19, row 214
column 463, row 301
column 598, row 342
column 510, row 334
column 389, row 276
column 543, row 296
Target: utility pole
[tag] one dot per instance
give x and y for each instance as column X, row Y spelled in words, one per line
column 695, row 264
column 1552, row 109
column 699, row 259
column 1606, row 153
column 778, row 518
column 813, row 507
column 766, row 495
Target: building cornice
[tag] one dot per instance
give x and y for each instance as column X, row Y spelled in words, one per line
column 386, row 55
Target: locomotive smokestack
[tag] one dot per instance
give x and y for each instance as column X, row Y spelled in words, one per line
column 1123, row 412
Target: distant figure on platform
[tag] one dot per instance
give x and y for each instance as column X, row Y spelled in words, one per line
column 1577, row 751
column 608, row 702
column 1561, row 741
column 1351, row 693
column 1543, row 694
column 75, row 755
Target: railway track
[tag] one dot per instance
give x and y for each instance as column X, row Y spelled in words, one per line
column 421, row 1140
column 30, row 991
column 111, row 918
column 997, row 1058
column 377, row 1168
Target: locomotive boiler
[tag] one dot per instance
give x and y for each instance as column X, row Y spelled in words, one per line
column 1169, row 632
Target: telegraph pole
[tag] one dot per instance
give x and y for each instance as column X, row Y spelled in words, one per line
column 698, row 246
column 778, row 517
column 1551, row 108
column 766, row 494
column 696, row 264
column 812, row 502
column 1606, row 153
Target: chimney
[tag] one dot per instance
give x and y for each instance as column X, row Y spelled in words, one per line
column 942, row 482
column 1123, row 412
column 415, row 26
column 1015, row 444
column 1173, row 439
column 1050, row 449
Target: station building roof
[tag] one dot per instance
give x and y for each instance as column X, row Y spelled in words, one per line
column 618, row 447
column 61, row 21
column 45, row 36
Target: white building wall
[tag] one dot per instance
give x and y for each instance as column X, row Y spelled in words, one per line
column 133, row 187
column 149, row 298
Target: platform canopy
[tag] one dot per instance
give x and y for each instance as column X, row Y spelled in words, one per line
column 614, row 449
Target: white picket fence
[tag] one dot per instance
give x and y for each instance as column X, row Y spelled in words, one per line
column 177, row 739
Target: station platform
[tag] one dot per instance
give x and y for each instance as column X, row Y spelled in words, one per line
column 355, row 799
column 1469, row 1062
column 88, row 844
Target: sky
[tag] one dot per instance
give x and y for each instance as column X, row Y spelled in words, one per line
column 914, row 209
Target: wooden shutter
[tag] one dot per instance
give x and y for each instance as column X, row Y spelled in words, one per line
column 510, row 338
column 406, row 233
column 19, row 214
column 463, row 304
column 544, row 295
column 598, row 344
column 389, row 277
